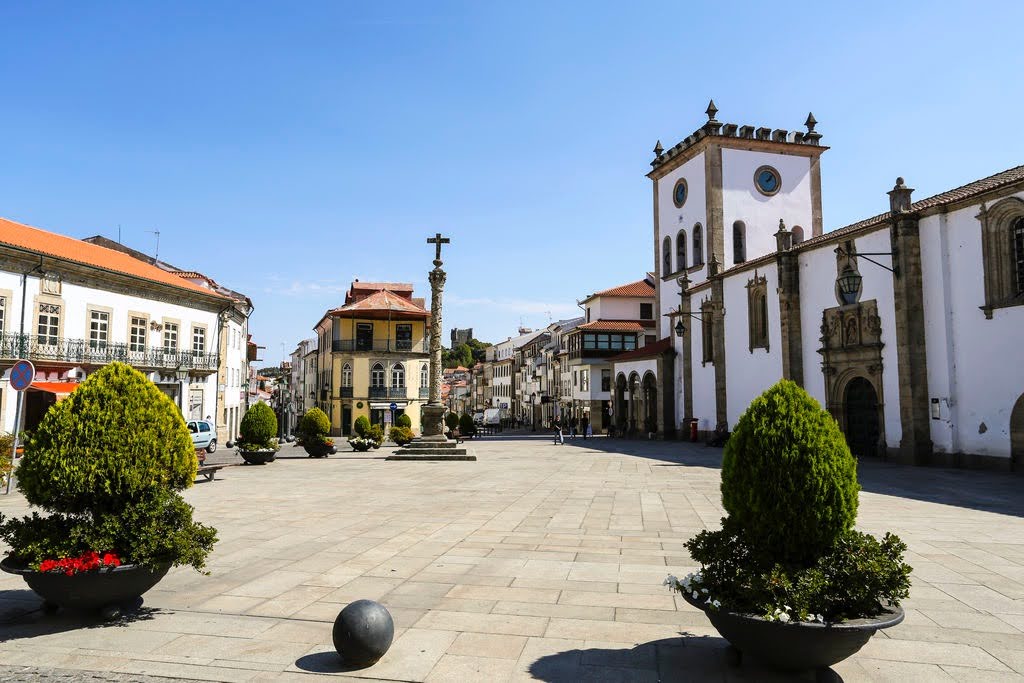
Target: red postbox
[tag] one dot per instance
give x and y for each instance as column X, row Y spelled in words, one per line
column 693, row 430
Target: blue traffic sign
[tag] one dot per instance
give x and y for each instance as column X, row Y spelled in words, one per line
column 22, row 375
column 394, row 406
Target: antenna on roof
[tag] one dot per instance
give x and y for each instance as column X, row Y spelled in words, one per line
column 119, row 233
column 156, row 254
column 549, row 316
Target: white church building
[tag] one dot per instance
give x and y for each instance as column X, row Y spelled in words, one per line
column 902, row 325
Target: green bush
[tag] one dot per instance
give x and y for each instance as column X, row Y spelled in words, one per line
column 107, row 462
column 400, row 435
column 259, row 428
column 466, row 426
column 6, row 445
column 361, row 426
column 404, row 420
column 314, row 426
column 113, row 440
column 847, row 582
column 451, row 421
column 376, row 434
column 788, row 478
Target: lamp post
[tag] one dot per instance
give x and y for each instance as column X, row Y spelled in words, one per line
column 181, row 374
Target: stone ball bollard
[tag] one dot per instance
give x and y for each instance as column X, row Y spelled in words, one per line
column 363, row 632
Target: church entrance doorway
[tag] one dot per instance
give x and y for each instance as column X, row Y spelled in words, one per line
column 862, row 418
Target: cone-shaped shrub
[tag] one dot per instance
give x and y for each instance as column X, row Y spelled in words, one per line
column 400, row 435
column 451, row 420
column 362, row 425
column 259, row 427
column 789, row 481
column 114, row 440
column 466, row 426
column 404, row 420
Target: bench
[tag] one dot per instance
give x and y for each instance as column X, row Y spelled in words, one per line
column 209, row 471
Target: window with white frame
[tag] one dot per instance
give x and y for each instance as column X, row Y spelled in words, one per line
column 198, row 340
column 170, row 337
column 424, row 375
column 377, row 376
column 99, row 329
column 397, row 376
column 137, row 333
column 48, row 324
column 346, row 375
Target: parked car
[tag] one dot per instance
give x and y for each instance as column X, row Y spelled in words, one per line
column 478, row 418
column 204, row 436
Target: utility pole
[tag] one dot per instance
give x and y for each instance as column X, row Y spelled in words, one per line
column 156, row 254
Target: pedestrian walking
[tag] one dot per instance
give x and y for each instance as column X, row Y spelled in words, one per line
column 586, row 427
column 589, row 432
column 558, row 433
column 572, row 428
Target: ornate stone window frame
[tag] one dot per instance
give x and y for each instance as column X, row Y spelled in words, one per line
column 666, row 255
column 698, row 245
column 686, row 192
column 997, row 254
column 681, row 248
column 757, row 312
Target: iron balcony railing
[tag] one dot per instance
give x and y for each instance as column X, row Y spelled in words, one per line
column 388, row 392
column 346, row 392
column 87, row 352
column 424, row 392
column 379, row 345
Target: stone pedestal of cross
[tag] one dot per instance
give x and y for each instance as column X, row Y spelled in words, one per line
column 433, row 411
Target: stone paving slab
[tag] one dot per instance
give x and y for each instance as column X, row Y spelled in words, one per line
column 536, row 562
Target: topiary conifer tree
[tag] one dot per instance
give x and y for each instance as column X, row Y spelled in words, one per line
column 259, row 428
column 789, row 482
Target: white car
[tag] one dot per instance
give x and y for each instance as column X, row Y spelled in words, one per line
column 204, row 436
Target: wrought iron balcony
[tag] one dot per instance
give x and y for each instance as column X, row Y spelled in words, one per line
column 346, row 392
column 424, row 392
column 86, row 352
column 388, row 392
column 378, row 346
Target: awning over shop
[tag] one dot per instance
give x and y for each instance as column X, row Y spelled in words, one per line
column 60, row 389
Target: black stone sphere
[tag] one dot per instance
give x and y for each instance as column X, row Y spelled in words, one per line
column 363, row 632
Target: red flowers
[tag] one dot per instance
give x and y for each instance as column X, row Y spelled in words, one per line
column 87, row 561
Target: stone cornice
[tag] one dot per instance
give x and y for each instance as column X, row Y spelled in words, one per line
column 676, row 156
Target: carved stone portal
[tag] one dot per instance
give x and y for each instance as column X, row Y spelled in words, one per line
column 851, row 349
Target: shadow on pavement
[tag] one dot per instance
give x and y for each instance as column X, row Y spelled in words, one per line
column 22, row 616
column 325, row 663
column 688, row 658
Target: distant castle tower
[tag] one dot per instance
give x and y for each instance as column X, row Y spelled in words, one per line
column 461, row 336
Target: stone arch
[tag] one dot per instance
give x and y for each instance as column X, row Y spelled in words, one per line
column 1017, row 434
column 698, row 245
column 860, row 412
column 633, row 389
column 621, row 403
column 649, row 398
column 798, row 234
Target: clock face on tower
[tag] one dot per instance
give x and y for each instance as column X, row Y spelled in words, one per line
column 767, row 180
column 679, row 193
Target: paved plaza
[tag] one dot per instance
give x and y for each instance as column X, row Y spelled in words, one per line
column 537, row 562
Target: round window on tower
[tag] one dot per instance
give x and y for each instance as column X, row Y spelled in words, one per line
column 679, row 193
column 767, row 180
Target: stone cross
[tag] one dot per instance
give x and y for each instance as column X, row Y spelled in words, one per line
column 433, row 411
column 437, row 240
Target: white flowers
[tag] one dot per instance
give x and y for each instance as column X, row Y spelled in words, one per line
column 690, row 585
column 782, row 615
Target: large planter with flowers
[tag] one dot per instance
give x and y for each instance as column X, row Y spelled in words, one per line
column 314, row 428
column 106, row 586
column 795, row 645
column 106, row 464
column 258, row 445
column 787, row 580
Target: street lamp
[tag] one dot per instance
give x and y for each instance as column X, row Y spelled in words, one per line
column 181, row 374
column 848, row 284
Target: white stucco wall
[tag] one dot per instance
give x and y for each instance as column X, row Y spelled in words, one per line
column 76, row 302
column 748, row 373
column 671, row 220
column 741, row 201
column 617, row 307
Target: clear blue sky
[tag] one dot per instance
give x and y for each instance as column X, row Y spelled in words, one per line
column 286, row 148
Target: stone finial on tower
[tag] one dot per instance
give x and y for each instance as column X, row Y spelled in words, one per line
column 812, row 136
column 658, row 149
column 899, row 197
column 711, row 110
column 713, row 125
column 783, row 237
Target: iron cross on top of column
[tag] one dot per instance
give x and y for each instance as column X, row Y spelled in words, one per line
column 437, row 241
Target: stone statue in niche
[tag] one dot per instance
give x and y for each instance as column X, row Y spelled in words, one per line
column 852, row 336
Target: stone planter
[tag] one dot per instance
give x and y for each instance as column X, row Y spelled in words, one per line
column 795, row 646
column 360, row 447
column 109, row 589
column 261, row 457
column 321, row 451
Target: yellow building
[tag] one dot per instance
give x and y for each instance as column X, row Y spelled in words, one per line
column 373, row 354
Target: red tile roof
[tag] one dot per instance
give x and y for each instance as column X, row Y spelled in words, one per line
column 640, row 288
column 78, row 251
column 646, row 351
column 382, row 301
column 612, row 326
column 393, row 286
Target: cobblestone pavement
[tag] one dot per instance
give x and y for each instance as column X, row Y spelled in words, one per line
column 537, row 562
column 34, row 674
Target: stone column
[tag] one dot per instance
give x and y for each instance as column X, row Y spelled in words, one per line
column 916, row 442
column 789, row 306
column 433, row 412
column 687, row 345
column 718, row 340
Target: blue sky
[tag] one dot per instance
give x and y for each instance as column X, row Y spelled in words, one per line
column 286, row 148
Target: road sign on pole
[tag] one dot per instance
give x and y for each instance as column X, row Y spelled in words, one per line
column 394, row 406
column 22, row 374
